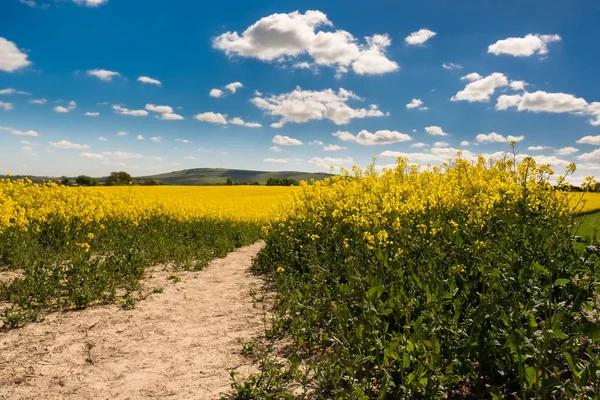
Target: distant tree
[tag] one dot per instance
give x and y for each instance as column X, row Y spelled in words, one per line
column 65, row 181
column 148, row 182
column 282, row 182
column 229, row 182
column 118, row 179
column 84, row 180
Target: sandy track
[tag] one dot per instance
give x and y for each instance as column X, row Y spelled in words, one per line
column 176, row 344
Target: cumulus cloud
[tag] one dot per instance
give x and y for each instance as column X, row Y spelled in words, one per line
column 541, row 101
column 102, row 139
column 216, row 93
column 171, row 117
column 276, row 160
column 90, row 3
column 282, row 37
column 441, row 144
column 593, row 140
column 122, row 133
column 333, row 147
column 10, row 91
column 518, row 85
column 103, row 74
column 24, row 133
column 38, row 101
column 166, row 112
column 6, row 106
column 418, row 145
column 497, row 138
column 140, row 137
column 465, row 143
column 367, row 138
column 215, row 118
column 591, row 156
column 91, row 114
column 70, row 107
column 234, row 86
column 286, row 141
column 241, row 122
column 523, row 46
column 435, row 131
column 182, row 140
column 11, row 58
column 65, row 144
column 481, row 89
column 151, row 81
column 328, row 162
column 451, row 66
column 472, row 77
column 274, row 149
column 419, row 37
column 566, row 151
column 156, row 139
column 112, row 156
column 416, row 103
column 301, row 106
column 537, row 148
column 132, row 113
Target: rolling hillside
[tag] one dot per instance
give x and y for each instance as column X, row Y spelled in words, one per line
column 211, row 176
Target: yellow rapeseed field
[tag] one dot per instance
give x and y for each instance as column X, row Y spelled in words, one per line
column 587, row 202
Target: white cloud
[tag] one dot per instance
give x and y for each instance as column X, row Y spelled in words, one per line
column 257, row 93
column 140, row 137
column 301, row 106
column 216, row 93
column 70, row 107
column 480, row 89
column 234, row 86
column 441, row 144
column 419, row 37
column 103, row 74
column 239, row 121
column 11, row 58
column 541, row 101
column 367, row 138
column 159, row 109
column 122, row 133
column 418, row 145
column 525, row 46
column 10, row 91
column 6, row 106
column 65, row 144
column 145, row 79
column 416, row 103
column 333, row 147
column 102, row 139
column 30, row 3
column 90, row 3
column 303, row 65
column 435, row 131
column 316, row 142
column 566, row 151
column 156, row 139
column 38, row 101
column 132, row 113
column 594, row 110
column 497, row 138
column 472, row 77
column 592, row 156
column 276, row 160
column 286, row 141
column 275, row 149
column 92, row 114
column 537, row 148
column 282, row 37
column 215, row 118
column 182, row 140
column 24, row 133
column 328, row 162
column 518, row 85
column 465, row 143
column 593, row 140
column 112, row 156
column 451, row 66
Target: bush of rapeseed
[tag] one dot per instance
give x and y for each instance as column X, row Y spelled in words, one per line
column 454, row 282
column 76, row 247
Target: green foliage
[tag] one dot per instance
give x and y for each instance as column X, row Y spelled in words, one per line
column 84, row 180
column 502, row 311
column 62, row 272
column 282, row 182
column 118, row 179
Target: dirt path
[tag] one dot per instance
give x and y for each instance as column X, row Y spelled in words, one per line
column 176, row 344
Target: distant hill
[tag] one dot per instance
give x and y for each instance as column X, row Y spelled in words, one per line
column 212, row 176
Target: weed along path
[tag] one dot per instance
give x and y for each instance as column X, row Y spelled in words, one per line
column 177, row 344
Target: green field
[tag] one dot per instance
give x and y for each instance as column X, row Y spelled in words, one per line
column 587, row 225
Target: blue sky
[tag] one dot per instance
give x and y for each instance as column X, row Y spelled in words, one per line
column 322, row 83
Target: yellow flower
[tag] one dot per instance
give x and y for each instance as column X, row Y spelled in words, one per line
column 280, row 269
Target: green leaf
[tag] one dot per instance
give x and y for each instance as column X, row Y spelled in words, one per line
column 530, row 375
column 558, row 333
column 561, row 281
